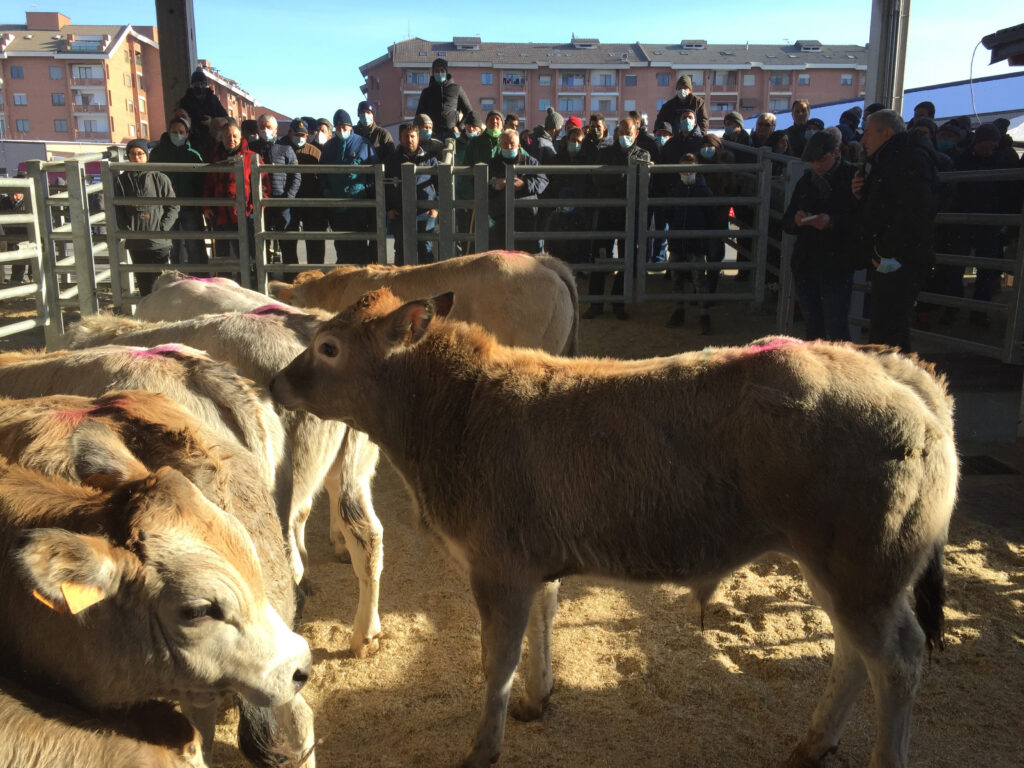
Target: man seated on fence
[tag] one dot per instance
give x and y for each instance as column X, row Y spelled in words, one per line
column 672, row 110
column 377, row 135
column 409, row 151
column 202, row 106
column 271, row 150
column 175, row 147
column 349, row 148
column 526, row 187
column 310, row 219
column 157, row 219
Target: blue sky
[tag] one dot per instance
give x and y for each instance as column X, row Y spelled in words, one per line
column 299, row 61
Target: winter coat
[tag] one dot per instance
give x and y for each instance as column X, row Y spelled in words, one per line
column 543, row 148
column 482, row 149
column 204, row 105
column 278, row 152
column 983, row 196
column 185, row 184
column 592, row 147
column 797, row 139
column 222, row 184
column 355, row 150
column 825, row 250
column 426, row 184
column 145, row 218
column 308, row 154
column 692, row 217
column 672, row 154
column 380, row 138
column 443, row 102
column 899, row 199
column 672, row 112
column 534, row 183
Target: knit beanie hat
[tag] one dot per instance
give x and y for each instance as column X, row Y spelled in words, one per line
column 440, row 63
column 553, row 122
column 199, row 77
column 142, row 144
column 733, row 117
column 684, row 82
column 574, row 122
column 341, row 117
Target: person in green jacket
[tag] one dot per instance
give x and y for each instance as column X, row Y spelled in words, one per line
column 175, row 147
column 479, row 150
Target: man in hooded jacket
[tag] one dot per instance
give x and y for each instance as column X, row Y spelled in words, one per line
column 672, row 110
column 444, row 100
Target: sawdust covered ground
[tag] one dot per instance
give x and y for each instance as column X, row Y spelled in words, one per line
column 636, row 681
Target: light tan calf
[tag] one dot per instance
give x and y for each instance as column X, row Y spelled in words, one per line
column 532, row 467
column 177, row 296
column 525, row 300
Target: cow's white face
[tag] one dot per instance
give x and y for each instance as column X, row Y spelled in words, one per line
column 175, row 603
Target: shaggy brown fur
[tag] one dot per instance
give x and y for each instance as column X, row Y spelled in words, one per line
column 532, row 467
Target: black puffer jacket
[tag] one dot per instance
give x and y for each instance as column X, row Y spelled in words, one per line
column 899, row 201
column 825, row 250
column 443, row 102
column 279, row 152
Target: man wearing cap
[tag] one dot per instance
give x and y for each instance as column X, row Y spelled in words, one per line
column 898, row 198
column 282, row 185
column 174, row 147
column 543, row 147
column 310, row 219
column 444, row 100
column 349, row 148
column 157, row 219
column 202, row 105
column 378, row 136
column 672, row 110
column 734, row 130
column 321, row 133
column 822, row 214
column 424, row 125
column 409, row 151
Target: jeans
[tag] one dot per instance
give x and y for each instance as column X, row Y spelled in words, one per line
column 825, row 302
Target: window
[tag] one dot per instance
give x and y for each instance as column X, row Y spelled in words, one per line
column 513, row 104
column 487, row 105
column 88, row 126
column 604, row 79
column 697, row 78
column 779, row 78
column 486, row 78
column 138, row 59
column 803, row 79
column 630, row 81
column 663, row 80
column 725, row 78
column 412, row 100
column 778, row 105
column 516, row 79
column 17, row 73
column 749, row 79
column 57, row 99
column 417, row 77
column 141, row 86
column 629, row 105
column 723, row 106
column 543, row 79
column 570, row 103
column 543, row 104
column 20, row 99
column 3, row 127
column 571, row 79
column 130, row 105
column 142, row 105
column 131, row 130
column 56, row 73
column 86, row 73
column 127, row 81
column 846, row 79
column 60, row 126
column 606, row 104
column 144, row 130
column 748, row 104
column 21, row 125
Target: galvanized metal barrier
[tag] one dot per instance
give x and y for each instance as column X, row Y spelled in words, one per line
column 28, row 252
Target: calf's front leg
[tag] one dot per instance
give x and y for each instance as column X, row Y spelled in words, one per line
column 538, row 676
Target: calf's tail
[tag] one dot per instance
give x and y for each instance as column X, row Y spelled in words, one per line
column 929, row 599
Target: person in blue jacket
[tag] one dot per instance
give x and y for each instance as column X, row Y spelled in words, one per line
column 349, row 148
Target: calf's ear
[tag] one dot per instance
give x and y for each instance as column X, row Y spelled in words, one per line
column 69, row 572
column 280, row 290
column 443, row 304
column 101, row 460
column 409, row 322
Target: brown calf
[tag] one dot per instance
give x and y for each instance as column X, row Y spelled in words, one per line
column 531, row 467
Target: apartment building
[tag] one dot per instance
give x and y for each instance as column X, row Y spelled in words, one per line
column 585, row 76
column 89, row 83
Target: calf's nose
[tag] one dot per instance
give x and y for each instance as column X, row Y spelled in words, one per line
column 301, row 675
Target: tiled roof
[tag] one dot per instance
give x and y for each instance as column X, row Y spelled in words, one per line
column 417, row 51
column 52, row 41
column 741, row 54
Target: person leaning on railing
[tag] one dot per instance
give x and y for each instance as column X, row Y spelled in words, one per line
column 527, row 187
column 222, row 184
column 410, row 151
column 570, row 218
column 311, row 219
column 175, row 147
column 145, row 217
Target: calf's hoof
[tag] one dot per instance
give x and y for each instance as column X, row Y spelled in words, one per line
column 306, row 586
column 475, row 760
column 526, row 710
column 801, row 757
column 367, row 646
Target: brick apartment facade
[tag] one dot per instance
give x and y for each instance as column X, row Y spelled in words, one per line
column 586, row 76
column 83, row 83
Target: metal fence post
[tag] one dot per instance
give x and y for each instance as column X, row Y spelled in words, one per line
column 47, row 277
column 259, row 239
column 481, row 214
column 764, row 192
column 244, row 257
column 784, row 306
column 1013, row 341
column 643, row 230
column 115, row 250
column 410, row 251
column 445, row 224
column 81, row 237
column 510, row 206
column 629, row 257
column 381, row 214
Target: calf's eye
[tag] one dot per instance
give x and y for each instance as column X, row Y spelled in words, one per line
column 193, row 614
column 328, row 349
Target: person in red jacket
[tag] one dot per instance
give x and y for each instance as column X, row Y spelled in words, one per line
column 222, row 184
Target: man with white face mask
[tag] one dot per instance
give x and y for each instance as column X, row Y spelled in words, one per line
column 270, row 150
column 443, row 99
column 175, row 147
column 349, row 148
column 321, row 133
column 672, row 110
column 366, row 126
column 310, row 219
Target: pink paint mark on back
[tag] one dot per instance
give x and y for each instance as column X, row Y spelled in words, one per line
column 204, row 279
column 779, row 343
column 272, row 309
column 160, row 351
column 74, row 417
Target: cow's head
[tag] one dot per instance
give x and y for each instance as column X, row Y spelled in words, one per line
column 162, row 590
column 330, row 379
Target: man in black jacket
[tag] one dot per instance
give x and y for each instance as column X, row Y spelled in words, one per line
column 202, row 105
column 898, row 193
column 367, row 127
column 409, row 151
column 282, row 185
column 672, row 110
column 529, row 186
column 444, row 100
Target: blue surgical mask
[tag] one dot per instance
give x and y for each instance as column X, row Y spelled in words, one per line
column 730, row 130
column 944, row 145
column 439, row 77
column 625, row 142
column 177, row 139
column 663, row 140
column 682, row 93
column 810, row 132
column 425, row 135
column 688, row 178
column 509, row 154
column 574, row 147
column 707, row 152
column 344, row 133
column 299, row 141
column 267, row 134
column 689, row 123
column 366, row 118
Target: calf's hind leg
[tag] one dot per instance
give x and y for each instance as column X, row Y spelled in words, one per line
column 538, row 663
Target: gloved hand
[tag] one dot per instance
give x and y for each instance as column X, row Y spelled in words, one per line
column 887, row 265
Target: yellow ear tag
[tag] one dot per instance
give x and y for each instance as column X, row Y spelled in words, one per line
column 80, row 596
column 48, row 603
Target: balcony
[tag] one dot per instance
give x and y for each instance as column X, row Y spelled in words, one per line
column 89, row 81
column 92, row 135
column 89, row 109
column 564, row 88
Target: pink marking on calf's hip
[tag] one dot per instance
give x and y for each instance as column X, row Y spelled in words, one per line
column 770, row 346
column 75, row 417
column 204, row 279
column 272, row 309
column 163, row 349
